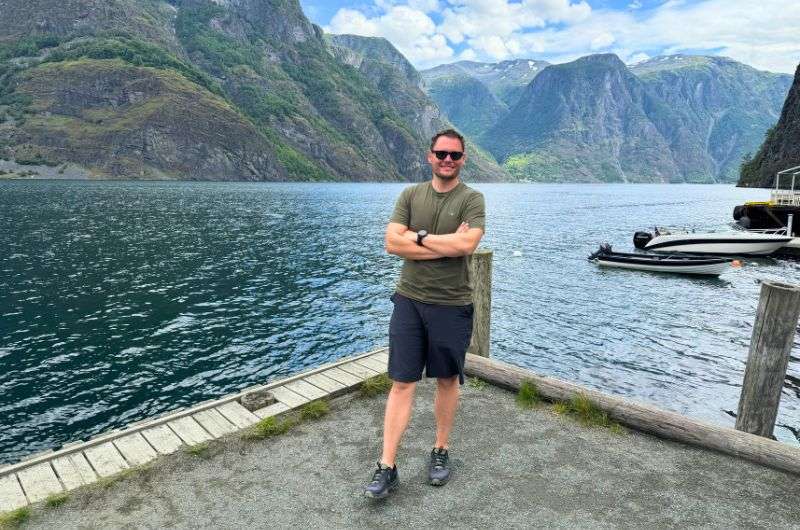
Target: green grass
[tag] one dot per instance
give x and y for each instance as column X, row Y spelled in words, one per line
column 200, row 449
column 587, row 413
column 15, row 518
column 528, row 396
column 477, row 383
column 269, row 427
column 107, row 482
column 314, row 410
column 55, row 500
column 380, row 384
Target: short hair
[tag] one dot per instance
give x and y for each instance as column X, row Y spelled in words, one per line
column 448, row 133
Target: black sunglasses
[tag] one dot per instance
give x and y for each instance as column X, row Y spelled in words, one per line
column 454, row 155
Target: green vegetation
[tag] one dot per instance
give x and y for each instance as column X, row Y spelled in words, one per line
column 477, row 383
column 15, row 518
column 528, row 396
column 27, row 46
column 269, row 427
column 380, row 384
column 314, row 410
column 107, row 482
column 55, row 500
column 587, row 413
column 201, row 450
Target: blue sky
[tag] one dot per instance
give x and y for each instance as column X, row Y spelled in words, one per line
column 761, row 33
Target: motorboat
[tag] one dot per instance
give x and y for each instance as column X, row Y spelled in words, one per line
column 777, row 212
column 678, row 263
column 731, row 243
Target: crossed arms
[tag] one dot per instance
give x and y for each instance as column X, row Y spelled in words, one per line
column 402, row 242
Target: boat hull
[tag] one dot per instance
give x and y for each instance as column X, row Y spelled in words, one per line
column 702, row 268
column 730, row 246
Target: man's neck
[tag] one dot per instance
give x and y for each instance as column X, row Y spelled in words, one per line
column 442, row 185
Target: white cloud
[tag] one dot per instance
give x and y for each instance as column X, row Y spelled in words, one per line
column 762, row 35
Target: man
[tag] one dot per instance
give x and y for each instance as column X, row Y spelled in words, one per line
column 435, row 226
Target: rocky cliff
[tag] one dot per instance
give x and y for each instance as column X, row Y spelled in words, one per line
column 195, row 89
column 781, row 147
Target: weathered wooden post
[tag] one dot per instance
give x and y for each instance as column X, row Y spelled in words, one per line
column 773, row 335
column 480, row 272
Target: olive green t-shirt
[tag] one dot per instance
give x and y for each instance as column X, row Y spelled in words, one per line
column 445, row 280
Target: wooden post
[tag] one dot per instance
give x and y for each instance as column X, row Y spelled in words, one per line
column 773, row 335
column 480, row 272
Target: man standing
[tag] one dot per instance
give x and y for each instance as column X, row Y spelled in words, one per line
column 435, row 226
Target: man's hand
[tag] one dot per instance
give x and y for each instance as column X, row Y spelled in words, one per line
column 461, row 243
column 402, row 242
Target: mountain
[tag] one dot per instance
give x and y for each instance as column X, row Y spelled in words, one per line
column 717, row 110
column 195, row 89
column 475, row 96
column 670, row 119
column 781, row 147
column 398, row 81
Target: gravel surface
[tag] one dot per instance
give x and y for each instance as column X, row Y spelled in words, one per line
column 512, row 468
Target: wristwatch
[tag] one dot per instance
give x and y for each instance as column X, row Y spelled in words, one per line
column 420, row 236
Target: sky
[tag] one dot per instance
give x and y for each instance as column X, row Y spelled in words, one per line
column 762, row 33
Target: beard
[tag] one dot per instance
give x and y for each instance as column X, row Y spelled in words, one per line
column 451, row 176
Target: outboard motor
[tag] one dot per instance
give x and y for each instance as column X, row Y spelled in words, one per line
column 640, row 239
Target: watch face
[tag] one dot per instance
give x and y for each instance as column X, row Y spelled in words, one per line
column 422, row 233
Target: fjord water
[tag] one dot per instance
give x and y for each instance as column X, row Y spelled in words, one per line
column 122, row 300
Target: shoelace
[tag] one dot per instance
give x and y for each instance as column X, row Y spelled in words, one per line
column 376, row 477
column 439, row 459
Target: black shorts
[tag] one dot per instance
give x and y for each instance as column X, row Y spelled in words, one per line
column 430, row 336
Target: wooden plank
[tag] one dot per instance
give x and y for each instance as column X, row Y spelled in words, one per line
column 382, row 356
column 358, row 370
column 325, row 383
column 189, row 431
column 11, row 494
column 272, row 410
column 306, row 389
column 105, row 459
column 215, row 423
column 346, row 378
column 39, row 482
column 480, row 270
column 375, row 364
column 135, row 449
column 289, row 398
column 74, row 470
column 643, row 417
column 162, row 439
column 237, row 414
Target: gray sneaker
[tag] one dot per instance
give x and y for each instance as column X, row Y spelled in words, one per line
column 384, row 480
column 438, row 470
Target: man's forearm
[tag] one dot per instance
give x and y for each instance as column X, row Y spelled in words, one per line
column 405, row 248
column 450, row 245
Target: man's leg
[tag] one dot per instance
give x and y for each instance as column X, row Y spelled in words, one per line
column 444, row 407
column 395, row 420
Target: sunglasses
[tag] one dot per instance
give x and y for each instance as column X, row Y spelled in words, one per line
column 454, row 155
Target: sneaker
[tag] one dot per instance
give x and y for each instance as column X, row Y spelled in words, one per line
column 438, row 470
column 384, row 480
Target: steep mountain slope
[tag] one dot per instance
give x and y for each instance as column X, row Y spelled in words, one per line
column 394, row 77
column 475, row 96
column 583, row 121
column 143, row 76
column 781, row 147
column 718, row 110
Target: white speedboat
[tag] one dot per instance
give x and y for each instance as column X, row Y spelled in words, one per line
column 677, row 263
column 731, row 243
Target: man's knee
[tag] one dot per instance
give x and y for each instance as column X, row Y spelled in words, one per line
column 400, row 387
column 447, row 382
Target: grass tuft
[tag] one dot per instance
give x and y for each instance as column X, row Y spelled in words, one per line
column 475, row 382
column 55, row 500
column 314, row 410
column 268, row 427
column 200, row 449
column 528, row 396
column 380, row 384
column 587, row 413
column 15, row 518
